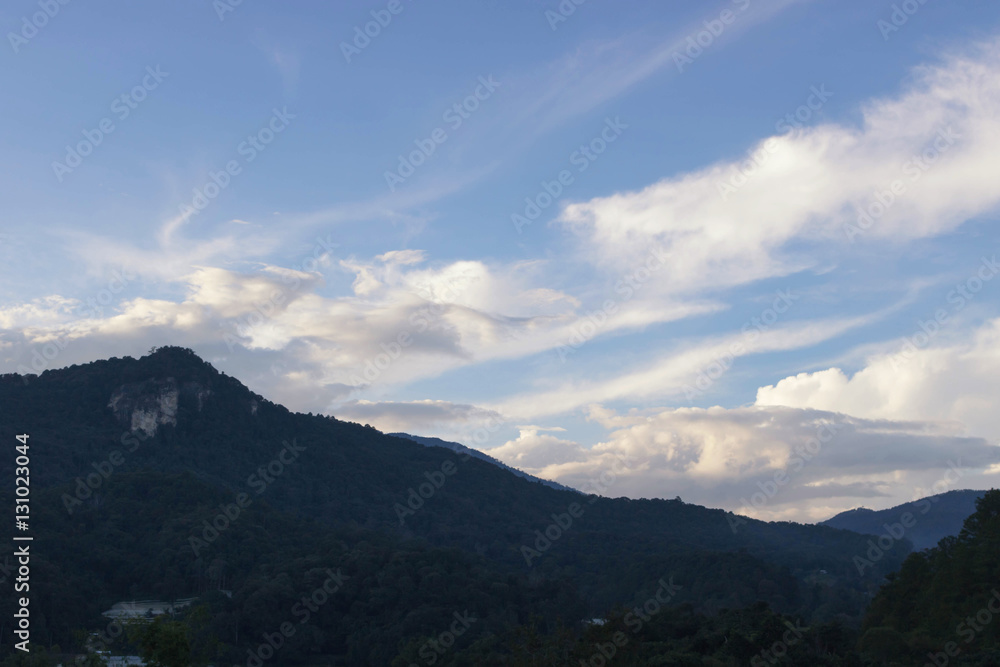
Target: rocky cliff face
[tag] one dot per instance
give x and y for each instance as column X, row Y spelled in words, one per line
column 144, row 406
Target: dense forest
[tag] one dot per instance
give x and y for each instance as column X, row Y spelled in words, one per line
column 304, row 541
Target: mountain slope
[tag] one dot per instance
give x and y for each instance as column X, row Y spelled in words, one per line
column 169, row 414
column 159, row 536
column 459, row 448
column 934, row 517
column 943, row 606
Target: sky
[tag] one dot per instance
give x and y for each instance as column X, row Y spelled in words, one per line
column 740, row 252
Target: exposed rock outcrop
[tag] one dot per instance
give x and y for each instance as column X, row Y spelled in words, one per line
column 144, row 406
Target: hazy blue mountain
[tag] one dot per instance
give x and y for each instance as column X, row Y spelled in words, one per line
column 459, row 448
column 934, row 517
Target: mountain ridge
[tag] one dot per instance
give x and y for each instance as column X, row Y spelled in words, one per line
column 459, row 448
column 933, row 517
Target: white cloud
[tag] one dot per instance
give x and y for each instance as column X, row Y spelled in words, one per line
column 721, row 457
column 533, row 450
column 814, row 183
column 669, row 375
column 955, row 381
column 601, row 70
column 44, row 311
column 407, row 322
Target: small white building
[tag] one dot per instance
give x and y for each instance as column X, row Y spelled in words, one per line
column 145, row 608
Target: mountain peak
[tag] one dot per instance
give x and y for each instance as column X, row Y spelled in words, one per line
column 177, row 359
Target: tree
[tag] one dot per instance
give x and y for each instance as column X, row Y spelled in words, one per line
column 162, row 643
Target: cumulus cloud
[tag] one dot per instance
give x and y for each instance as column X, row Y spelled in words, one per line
column 768, row 462
column 403, row 322
column 945, row 382
column 535, row 450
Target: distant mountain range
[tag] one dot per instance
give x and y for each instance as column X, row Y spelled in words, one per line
column 459, row 448
column 933, row 517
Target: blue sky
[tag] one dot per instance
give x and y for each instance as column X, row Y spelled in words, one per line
column 626, row 231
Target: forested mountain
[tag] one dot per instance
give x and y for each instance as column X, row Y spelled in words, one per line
column 161, row 478
column 934, row 517
column 943, row 607
column 459, row 448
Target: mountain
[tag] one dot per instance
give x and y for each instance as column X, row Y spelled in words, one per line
column 459, row 448
column 940, row 610
column 943, row 607
column 162, row 478
column 933, row 517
